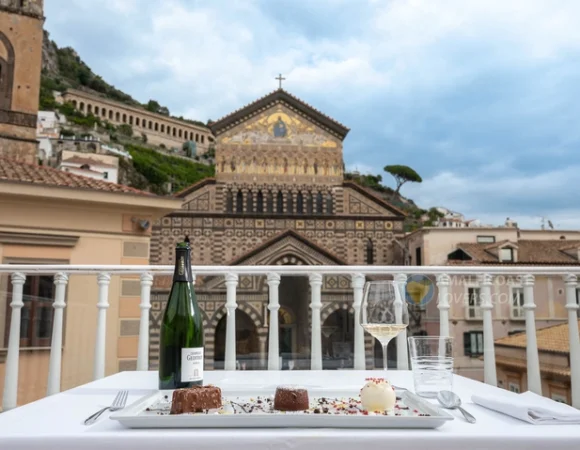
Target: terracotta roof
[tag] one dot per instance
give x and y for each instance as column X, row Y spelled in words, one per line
column 94, row 162
column 544, row 367
column 539, row 252
column 279, row 95
column 18, row 172
column 550, row 339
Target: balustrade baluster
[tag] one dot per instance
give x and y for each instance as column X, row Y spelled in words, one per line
column 103, row 280
column 145, row 306
column 358, row 282
column 54, row 364
column 9, row 398
column 534, row 379
column 489, row 369
column 402, row 353
column 573, row 335
column 316, row 305
column 231, row 305
column 443, row 281
column 273, row 281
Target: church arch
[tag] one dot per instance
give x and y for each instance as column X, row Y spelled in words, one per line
column 239, row 201
column 279, row 203
column 338, row 339
column 270, row 202
column 370, row 253
column 289, row 203
column 229, row 201
column 250, row 202
column 319, row 205
column 6, row 72
column 260, row 202
column 329, row 203
column 118, row 116
column 299, row 203
column 247, row 340
column 310, row 203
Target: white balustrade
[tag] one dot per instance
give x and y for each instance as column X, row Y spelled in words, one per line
column 12, row 358
column 358, row 283
column 571, row 286
column 144, row 306
column 103, row 281
column 402, row 353
column 273, row 281
column 61, row 274
column 533, row 360
column 489, row 369
column 54, row 363
column 231, row 305
column 443, row 281
column 316, row 305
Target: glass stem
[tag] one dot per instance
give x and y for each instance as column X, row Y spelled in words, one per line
column 385, row 361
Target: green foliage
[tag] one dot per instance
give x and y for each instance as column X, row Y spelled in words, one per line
column 125, row 129
column 159, row 169
column 155, row 107
column 402, row 175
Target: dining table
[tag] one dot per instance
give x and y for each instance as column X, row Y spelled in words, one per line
column 57, row 421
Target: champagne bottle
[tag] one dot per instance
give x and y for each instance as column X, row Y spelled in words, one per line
column 181, row 345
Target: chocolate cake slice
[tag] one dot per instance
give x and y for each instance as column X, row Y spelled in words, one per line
column 196, row 399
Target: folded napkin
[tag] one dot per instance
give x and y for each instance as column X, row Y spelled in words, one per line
column 530, row 407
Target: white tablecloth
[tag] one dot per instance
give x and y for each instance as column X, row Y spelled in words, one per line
column 56, row 422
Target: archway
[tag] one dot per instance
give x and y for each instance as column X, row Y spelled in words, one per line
column 247, row 342
column 338, row 340
column 294, row 298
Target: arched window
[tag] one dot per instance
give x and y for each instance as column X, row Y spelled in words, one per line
column 6, row 73
column 137, row 122
column 156, row 126
column 89, row 109
column 110, row 115
column 310, row 203
column 118, row 117
column 329, row 203
column 289, row 203
column 279, row 203
column 260, row 202
column 270, row 202
column 130, row 120
column 96, row 110
column 124, row 118
column 300, row 203
column 229, row 201
column 370, row 254
column 250, row 202
column 240, row 202
column 319, row 209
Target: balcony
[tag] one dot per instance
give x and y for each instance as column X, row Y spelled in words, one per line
column 102, row 310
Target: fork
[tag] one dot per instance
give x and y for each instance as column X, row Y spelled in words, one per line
column 118, row 403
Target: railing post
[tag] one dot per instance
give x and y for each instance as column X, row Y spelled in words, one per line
column 12, row 358
column 54, row 364
column 573, row 335
column 145, row 306
column 273, row 305
column 443, row 281
column 103, row 280
column 534, row 379
column 402, row 353
column 358, row 282
column 231, row 305
column 489, row 369
column 316, row 305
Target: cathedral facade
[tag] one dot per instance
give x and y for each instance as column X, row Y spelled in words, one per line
column 278, row 198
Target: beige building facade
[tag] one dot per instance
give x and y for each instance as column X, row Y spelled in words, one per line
column 51, row 217
column 20, row 62
column 159, row 129
column 278, row 198
column 492, row 246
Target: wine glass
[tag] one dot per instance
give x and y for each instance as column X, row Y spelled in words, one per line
column 383, row 313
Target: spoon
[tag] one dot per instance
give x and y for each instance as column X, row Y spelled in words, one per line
column 450, row 400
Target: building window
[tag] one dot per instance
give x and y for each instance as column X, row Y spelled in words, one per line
column 473, row 343
column 517, row 308
column 289, row 203
column 250, row 202
column 270, row 202
column 329, row 203
column 36, row 314
column 260, row 202
column 514, row 387
column 485, row 239
column 474, row 303
column 370, row 252
column 300, row 203
column 279, row 203
column 319, row 208
column 106, row 175
column 310, row 203
column 229, row 201
column 239, row 202
column 506, row 254
column 418, row 256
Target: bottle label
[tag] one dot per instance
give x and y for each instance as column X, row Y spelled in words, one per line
column 191, row 364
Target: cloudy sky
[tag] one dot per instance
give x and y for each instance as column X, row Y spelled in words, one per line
column 481, row 97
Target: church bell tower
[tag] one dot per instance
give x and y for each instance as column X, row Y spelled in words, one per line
column 21, row 35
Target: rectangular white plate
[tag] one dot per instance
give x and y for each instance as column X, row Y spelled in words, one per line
column 136, row 416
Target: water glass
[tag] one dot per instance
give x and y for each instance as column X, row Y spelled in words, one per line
column 431, row 364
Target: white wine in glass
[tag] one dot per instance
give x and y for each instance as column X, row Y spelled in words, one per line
column 383, row 313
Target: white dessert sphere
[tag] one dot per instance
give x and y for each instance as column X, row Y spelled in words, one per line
column 378, row 395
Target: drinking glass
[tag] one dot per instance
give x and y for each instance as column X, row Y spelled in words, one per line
column 431, row 364
column 383, row 313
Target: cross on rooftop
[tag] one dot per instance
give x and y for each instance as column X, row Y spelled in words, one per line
column 280, row 78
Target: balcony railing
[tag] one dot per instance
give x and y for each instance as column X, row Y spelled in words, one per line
column 357, row 274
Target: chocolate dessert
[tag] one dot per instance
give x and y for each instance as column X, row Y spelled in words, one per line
column 290, row 398
column 196, row 399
